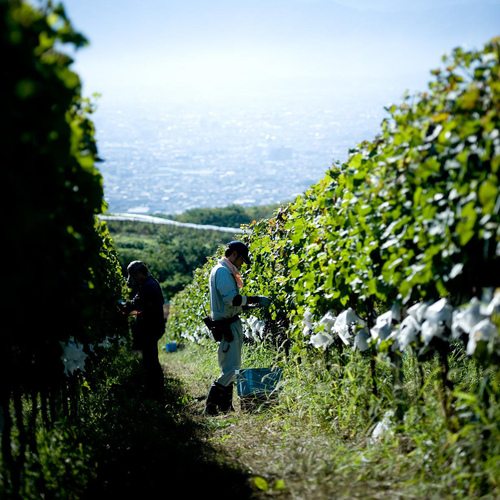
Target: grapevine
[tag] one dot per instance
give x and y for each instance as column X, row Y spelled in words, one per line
column 399, row 247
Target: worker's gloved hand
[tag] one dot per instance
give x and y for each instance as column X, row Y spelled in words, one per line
column 264, row 301
column 259, row 300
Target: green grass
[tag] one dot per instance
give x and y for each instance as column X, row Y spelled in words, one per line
column 123, row 444
column 318, row 439
column 314, row 441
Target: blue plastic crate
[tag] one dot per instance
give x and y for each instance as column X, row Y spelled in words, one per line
column 257, row 381
column 171, row 347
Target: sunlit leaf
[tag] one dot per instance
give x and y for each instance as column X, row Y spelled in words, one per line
column 261, row 483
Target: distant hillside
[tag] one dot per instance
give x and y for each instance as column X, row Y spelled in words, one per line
column 173, row 253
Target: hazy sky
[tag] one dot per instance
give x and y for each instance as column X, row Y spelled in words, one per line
column 209, row 50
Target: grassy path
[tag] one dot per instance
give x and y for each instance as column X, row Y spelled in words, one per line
column 280, row 457
column 288, row 451
column 148, row 446
column 282, row 452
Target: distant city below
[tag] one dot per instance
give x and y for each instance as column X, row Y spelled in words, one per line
column 172, row 160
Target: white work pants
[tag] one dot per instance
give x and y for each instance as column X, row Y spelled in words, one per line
column 229, row 355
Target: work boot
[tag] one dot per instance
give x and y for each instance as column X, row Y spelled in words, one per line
column 226, row 404
column 214, row 399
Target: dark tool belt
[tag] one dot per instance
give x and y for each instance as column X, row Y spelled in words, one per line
column 221, row 328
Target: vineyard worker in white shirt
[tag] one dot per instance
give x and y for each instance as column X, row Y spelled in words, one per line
column 226, row 304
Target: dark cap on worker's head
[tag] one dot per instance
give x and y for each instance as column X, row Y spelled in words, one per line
column 135, row 266
column 242, row 250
